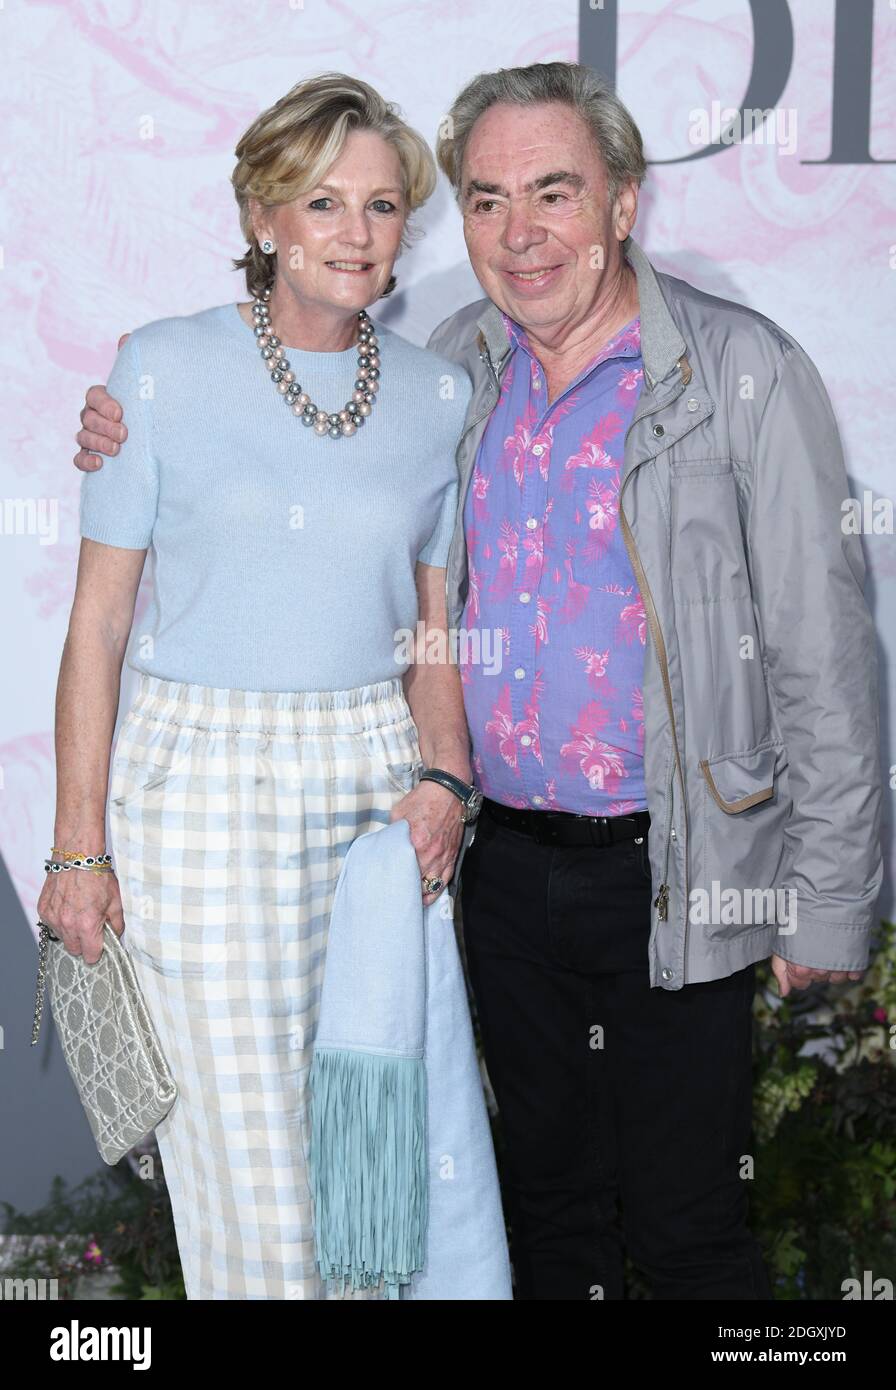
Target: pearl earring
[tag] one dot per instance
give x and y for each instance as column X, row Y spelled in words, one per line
column 267, row 246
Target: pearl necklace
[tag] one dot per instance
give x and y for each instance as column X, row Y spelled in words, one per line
column 343, row 422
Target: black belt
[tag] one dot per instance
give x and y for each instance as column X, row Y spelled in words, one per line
column 567, row 828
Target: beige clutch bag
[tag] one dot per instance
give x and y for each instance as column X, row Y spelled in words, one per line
column 108, row 1041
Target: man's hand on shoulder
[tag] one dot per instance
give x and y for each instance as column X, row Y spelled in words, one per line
column 102, row 427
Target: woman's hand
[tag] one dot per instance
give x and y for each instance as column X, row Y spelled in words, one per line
column 434, row 816
column 76, row 904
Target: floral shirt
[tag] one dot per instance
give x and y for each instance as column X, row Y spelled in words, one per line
column 556, row 717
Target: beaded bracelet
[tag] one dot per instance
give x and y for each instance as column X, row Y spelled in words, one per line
column 94, row 863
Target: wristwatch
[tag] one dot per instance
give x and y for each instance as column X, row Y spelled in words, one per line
column 469, row 797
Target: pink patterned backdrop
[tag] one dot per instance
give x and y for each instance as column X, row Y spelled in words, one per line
column 120, row 122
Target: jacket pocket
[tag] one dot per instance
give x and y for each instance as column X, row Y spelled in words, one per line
column 710, row 467
column 736, row 784
column 743, row 810
column 709, row 561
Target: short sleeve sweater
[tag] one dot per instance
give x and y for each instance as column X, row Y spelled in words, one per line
column 281, row 560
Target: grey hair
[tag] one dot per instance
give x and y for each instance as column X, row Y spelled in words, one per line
column 615, row 133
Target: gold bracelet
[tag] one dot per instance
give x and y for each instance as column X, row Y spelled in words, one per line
column 75, row 854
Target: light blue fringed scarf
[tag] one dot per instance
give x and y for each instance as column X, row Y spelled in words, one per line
column 402, row 1166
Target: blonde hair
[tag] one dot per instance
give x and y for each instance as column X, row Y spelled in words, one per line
column 288, row 149
column 612, row 126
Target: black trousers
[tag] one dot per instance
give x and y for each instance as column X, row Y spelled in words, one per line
column 617, row 1100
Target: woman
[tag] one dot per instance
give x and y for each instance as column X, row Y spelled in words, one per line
column 274, row 721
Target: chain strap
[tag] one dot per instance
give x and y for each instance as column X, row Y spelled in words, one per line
column 43, row 947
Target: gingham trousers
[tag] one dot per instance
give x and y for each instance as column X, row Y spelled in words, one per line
column 230, row 814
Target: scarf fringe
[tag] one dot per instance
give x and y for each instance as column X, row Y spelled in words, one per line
column 368, row 1167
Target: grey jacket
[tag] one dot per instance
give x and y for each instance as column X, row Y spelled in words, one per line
column 760, row 711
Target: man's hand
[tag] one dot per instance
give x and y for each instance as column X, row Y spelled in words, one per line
column 434, row 816
column 102, row 429
column 790, row 976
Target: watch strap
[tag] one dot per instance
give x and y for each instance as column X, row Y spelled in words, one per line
column 462, row 790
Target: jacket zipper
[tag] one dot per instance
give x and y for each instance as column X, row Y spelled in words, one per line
column 661, row 901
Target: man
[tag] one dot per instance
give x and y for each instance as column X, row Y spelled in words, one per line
column 668, row 562
column 679, row 753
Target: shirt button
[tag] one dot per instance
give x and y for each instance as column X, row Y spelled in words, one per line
column 693, row 405
column 667, row 973
column 538, row 450
column 525, row 740
column 519, row 672
column 525, row 597
column 659, row 431
column 536, row 382
column 531, row 522
column 538, row 800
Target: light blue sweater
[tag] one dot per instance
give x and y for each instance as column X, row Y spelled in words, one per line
column 282, row 561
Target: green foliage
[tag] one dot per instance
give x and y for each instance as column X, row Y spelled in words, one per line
column 825, row 1129
column 113, row 1220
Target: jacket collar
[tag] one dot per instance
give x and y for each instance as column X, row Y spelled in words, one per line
column 662, row 346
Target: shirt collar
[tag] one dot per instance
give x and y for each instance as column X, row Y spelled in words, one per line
column 625, row 343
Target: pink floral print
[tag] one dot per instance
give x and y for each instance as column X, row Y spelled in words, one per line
column 561, row 725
